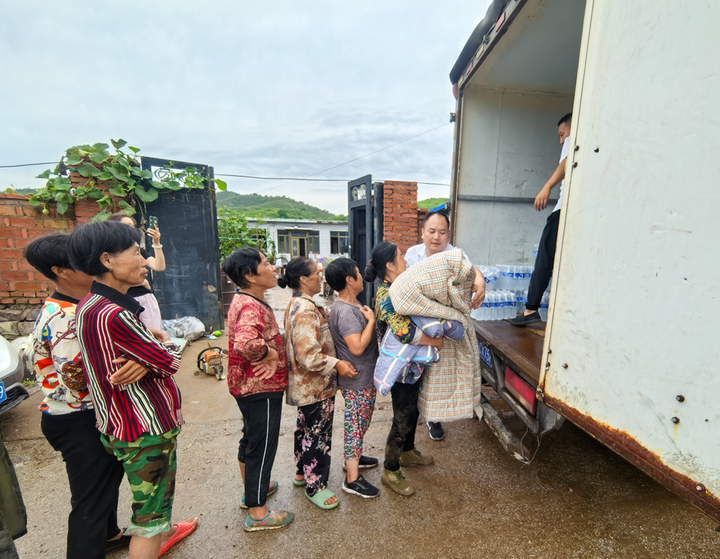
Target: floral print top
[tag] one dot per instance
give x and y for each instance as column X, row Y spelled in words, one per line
column 401, row 325
column 252, row 329
column 310, row 351
column 57, row 360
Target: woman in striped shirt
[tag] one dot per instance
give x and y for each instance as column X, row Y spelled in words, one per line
column 139, row 417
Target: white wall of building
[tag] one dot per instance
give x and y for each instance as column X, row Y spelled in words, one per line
column 323, row 227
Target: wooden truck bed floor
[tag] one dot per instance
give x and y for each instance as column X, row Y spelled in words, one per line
column 520, row 346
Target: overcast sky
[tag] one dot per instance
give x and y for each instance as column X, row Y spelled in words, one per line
column 273, row 88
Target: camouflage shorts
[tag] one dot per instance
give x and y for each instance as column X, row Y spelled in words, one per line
column 150, row 465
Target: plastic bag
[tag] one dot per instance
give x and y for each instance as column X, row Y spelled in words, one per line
column 188, row 328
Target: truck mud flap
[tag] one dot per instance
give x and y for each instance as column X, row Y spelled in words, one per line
column 507, row 438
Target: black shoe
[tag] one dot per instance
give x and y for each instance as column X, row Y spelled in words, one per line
column 122, row 541
column 361, row 488
column 365, row 463
column 526, row 319
column 436, row 431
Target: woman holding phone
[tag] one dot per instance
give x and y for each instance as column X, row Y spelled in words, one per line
column 145, row 294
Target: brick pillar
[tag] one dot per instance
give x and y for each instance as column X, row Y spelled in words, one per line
column 400, row 213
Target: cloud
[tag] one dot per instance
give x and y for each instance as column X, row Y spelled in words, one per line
column 278, row 88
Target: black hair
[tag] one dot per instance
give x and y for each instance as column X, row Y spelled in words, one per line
column 48, row 251
column 440, row 212
column 88, row 242
column 240, row 263
column 566, row 119
column 119, row 216
column 296, row 269
column 383, row 254
column 338, row 271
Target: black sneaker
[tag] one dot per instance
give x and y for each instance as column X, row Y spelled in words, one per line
column 526, row 319
column 366, row 462
column 436, row 431
column 361, row 488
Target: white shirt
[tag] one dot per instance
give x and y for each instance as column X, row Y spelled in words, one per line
column 563, row 155
column 418, row 252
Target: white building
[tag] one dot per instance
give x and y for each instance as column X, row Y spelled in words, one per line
column 305, row 237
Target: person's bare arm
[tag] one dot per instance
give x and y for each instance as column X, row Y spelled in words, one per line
column 478, row 290
column 157, row 262
column 541, row 199
column 358, row 342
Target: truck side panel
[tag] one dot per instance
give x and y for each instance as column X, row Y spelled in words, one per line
column 631, row 348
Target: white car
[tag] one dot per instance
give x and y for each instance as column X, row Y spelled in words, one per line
column 11, row 373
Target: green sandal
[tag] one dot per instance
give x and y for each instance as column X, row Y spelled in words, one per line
column 298, row 482
column 320, row 497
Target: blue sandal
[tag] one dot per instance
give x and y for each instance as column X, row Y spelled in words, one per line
column 271, row 489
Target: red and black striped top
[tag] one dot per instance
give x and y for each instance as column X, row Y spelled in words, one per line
column 108, row 328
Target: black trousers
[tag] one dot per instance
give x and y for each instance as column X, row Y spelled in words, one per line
column 544, row 262
column 258, row 445
column 94, row 476
column 405, row 417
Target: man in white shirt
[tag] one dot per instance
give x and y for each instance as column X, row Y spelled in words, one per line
column 436, row 237
column 548, row 241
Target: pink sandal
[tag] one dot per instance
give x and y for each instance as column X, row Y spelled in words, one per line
column 184, row 529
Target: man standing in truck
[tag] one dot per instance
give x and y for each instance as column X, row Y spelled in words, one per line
column 436, row 237
column 548, row 240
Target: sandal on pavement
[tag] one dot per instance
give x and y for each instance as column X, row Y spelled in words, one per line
column 273, row 520
column 320, row 497
column 271, row 489
column 184, row 529
column 299, row 482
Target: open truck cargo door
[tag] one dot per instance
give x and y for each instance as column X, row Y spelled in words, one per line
column 630, row 351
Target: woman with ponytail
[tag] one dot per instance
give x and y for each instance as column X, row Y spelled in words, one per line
column 312, row 380
column 385, row 265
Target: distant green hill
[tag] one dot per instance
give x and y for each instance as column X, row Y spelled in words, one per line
column 431, row 202
column 257, row 205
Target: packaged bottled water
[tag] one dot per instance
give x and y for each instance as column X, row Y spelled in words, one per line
column 544, row 306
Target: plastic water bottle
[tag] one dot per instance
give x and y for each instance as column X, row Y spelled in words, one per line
column 544, row 306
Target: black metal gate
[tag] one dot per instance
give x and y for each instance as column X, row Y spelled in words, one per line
column 187, row 218
column 365, row 219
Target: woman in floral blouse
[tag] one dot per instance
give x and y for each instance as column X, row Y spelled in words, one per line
column 312, row 380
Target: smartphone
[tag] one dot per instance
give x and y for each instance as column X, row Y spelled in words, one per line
column 152, row 222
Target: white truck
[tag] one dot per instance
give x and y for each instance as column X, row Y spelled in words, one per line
column 628, row 352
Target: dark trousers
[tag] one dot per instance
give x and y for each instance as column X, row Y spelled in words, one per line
column 405, row 417
column 258, row 445
column 94, row 477
column 544, row 262
column 313, row 444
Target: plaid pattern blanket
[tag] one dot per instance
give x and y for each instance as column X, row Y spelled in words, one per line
column 440, row 287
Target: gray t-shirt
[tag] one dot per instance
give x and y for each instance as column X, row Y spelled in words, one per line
column 346, row 320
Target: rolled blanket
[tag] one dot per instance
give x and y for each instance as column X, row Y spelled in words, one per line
column 406, row 362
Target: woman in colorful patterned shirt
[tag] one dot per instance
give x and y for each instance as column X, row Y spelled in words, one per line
column 257, row 377
column 312, row 380
column 68, row 418
column 139, row 421
column 386, row 264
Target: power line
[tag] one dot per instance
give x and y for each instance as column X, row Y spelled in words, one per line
column 27, row 165
column 292, row 179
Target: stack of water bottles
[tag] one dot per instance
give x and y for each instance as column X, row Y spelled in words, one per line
column 506, row 292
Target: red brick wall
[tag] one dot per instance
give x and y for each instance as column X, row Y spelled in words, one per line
column 20, row 223
column 400, row 213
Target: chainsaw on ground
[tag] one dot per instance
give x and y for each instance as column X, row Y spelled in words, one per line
column 210, row 360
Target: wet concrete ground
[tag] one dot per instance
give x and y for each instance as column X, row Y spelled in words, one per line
column 577, row 499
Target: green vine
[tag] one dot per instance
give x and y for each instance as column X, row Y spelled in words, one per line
column 121, row 172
